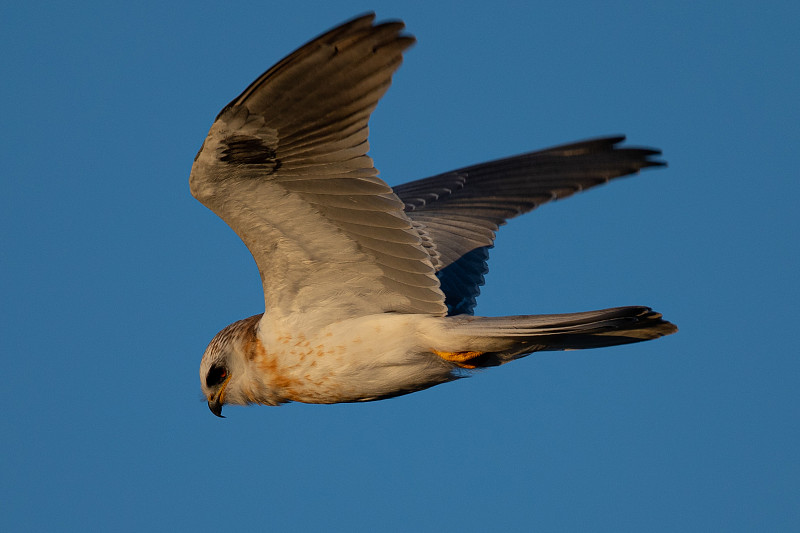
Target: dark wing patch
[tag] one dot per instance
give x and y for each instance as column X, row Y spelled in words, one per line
column 462, row 279
column 247, row 150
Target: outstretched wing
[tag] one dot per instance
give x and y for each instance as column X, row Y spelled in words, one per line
column 459, row 212
column 285, row 166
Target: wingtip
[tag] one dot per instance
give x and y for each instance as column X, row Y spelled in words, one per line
column 367, row 17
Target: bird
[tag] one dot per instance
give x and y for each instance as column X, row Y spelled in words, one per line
column 369, row 290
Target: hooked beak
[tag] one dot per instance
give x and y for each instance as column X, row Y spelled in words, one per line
column 216, row 406
column 216, row 401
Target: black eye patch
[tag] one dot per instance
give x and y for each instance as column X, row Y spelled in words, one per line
column 216, row 375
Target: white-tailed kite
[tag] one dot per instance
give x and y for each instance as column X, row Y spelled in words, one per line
column 369, row 291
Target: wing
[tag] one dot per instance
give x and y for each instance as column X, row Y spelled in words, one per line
column 285, row 166
column 459, row 212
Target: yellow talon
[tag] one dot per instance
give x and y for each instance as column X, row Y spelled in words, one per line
column 459, row 358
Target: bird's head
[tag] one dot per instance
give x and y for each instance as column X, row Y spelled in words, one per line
column 224, row 375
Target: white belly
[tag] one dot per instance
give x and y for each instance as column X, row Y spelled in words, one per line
column 360, row 359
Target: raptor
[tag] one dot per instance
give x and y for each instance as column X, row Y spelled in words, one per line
column 370, row 290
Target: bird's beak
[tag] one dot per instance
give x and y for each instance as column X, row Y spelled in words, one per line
column 216, row 406
column 216, row 401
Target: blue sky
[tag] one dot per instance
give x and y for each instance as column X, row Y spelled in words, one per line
column 115, row 278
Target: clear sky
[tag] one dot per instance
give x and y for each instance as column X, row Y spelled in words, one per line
column 114, row 278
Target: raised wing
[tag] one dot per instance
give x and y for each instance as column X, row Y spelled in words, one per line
column 459, row 212
column 285, row 166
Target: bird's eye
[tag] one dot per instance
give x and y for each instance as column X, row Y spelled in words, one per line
column 216, row 375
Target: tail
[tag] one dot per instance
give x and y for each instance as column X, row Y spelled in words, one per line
column 493, row 341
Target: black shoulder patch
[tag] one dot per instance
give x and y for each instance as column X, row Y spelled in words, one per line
column 246, row 150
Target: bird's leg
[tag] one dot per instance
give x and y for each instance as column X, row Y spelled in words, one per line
column 459, row 358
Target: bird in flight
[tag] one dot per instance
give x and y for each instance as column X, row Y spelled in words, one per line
column 369, row 290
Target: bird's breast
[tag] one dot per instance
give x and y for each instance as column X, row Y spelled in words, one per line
column 353, row 361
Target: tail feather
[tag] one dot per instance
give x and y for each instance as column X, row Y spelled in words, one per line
column 503, row 339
